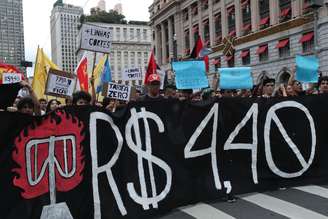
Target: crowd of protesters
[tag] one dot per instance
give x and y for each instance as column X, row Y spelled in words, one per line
column 266, row 88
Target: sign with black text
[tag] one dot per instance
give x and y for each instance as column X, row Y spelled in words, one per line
column 117, row 91
column 11, row 78
column 60, row 84
column 131, row 74
column 96, row 38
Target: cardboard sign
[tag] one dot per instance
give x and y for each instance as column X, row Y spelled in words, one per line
column 236, row 78
column 95, row 38
column 307, row 69
column 117, row 91
column 131, row 74
column 190, row 74
column 11, row 78
column 60, row 84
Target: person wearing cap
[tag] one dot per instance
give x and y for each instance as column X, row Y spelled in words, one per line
column 153, row 88
column 268, row 87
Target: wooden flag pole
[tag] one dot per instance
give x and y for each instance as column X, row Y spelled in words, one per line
column 93, row 91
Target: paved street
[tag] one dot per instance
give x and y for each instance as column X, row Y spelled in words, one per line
column 306, row 202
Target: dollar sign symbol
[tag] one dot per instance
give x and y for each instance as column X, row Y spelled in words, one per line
column 133, row 123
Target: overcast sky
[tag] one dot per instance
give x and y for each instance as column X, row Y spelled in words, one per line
column 37, row 20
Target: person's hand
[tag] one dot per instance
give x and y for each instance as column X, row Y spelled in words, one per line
column 11, row 109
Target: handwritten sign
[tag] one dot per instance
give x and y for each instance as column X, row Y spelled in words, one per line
column 59, row 83
column 236, row 78
column 96, row 38
column 117, row 91
column 131, row 74
column 307, row 69
column 190, row 74
column 11, row 78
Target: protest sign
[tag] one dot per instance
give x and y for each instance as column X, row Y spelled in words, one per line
column 190, row 74
column 60, row 84
column 162, row 77
column 117, row 91
column 188, row 152
column 131, row 74
column 11, row 78
column 307, row 69
column 236, row 78
column 95, row 38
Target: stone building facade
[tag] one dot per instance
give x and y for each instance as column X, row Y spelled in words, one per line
column 266, row 34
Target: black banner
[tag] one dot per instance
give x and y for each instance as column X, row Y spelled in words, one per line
column 151, row 157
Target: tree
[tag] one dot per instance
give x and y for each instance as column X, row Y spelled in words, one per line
column 111, row 17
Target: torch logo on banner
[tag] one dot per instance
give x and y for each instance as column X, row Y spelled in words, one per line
column 50, row 158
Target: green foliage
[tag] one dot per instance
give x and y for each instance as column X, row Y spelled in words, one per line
column 111, row 17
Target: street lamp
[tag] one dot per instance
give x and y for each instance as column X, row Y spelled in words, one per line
column 316, row 5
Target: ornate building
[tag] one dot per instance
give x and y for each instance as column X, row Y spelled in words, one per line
column 264, row 34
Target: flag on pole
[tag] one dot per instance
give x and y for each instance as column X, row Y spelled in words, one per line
column 152, row 67
column 195, row 54
column 42, row 66
column 106, row 76
column 98, row 71
column 82, row 75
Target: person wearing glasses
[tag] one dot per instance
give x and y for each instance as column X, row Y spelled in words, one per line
column 268, row 87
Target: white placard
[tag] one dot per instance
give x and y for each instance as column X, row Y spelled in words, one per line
column 95, row 38
column 131, row 74
column 162, row 77
column 11, row 78
column 60, row 84
column 118, row 91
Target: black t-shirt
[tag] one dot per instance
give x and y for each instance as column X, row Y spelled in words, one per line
column 148, row 98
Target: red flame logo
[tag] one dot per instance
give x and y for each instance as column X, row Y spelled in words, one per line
column 50, row 148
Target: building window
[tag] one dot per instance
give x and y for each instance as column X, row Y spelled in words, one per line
column 206, row 32
column 230, row 60
column 246, row 12
column 185, row 14
column 263, row 53
column 216, row 1
column 307, row 41
column 145, row 38
column 195, row 31
column 125, row 34
column 306, row 7
column 218, row 28
column 138, row 35
column 194, row 9
column 231, row 21
column 118, row 33
column 245, row 57
column 264, row 7
column 131, row 33
column 284, row 48
column 285, row 10
column 187, row 42
column 204, row 5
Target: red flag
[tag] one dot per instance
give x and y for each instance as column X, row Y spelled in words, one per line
column 82, row 74
column 196, row 50
column 152, row 67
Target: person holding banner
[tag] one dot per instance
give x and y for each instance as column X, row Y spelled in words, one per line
column 323, row 85
column 52, row 105
column 153, row 88
column 268, row 87
column 29, row 104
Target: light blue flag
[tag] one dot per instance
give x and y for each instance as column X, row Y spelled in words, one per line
column 236, row 78
column 106, row 76
column 307, row 69
column 190, row 74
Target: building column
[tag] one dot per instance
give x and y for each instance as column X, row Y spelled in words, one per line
column 179, row 31
column 255, row 16
column 211, row 22
column 163, row 44
column 191, row 35
column 274, row 12
column 170, row 39
column 224, row 19
column 297, row 8
column 200, row 21
column 157, row 44
column 238, row 18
